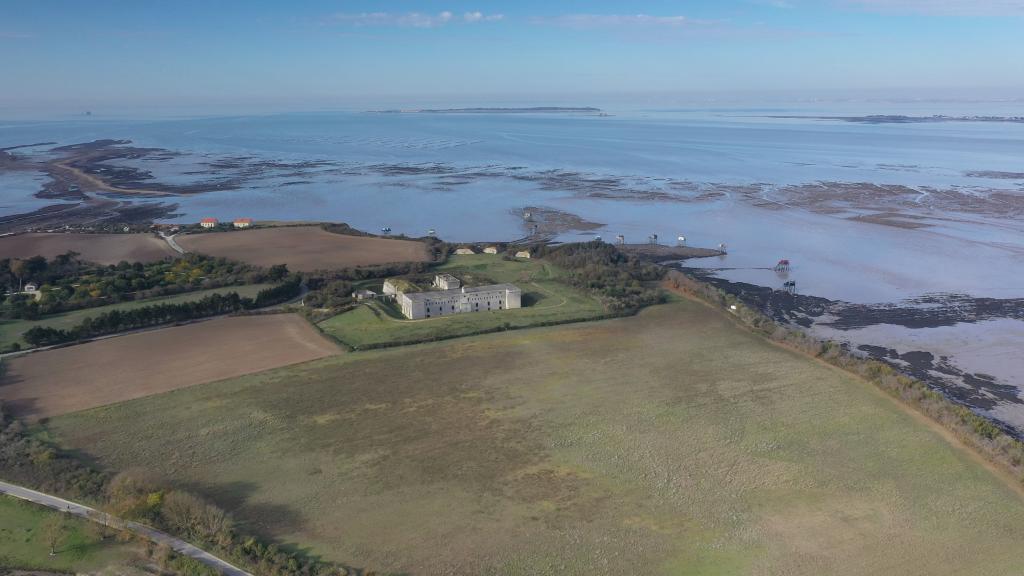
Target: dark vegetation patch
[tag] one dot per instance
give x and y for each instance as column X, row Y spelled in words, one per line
column 67, row 282
column 117, row 321
column 621, row 282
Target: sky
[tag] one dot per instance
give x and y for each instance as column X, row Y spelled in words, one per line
column 70, row 55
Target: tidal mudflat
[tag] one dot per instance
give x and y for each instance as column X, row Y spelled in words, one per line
column 884, row 215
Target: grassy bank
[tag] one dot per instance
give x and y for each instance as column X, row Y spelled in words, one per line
column 24, row 542
column 671, row 442
column 546, row 300
column 11, row 330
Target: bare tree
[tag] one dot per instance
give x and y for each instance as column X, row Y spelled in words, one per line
column 54, row 530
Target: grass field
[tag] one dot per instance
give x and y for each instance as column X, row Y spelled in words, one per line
column 671, row 442
column 24, row 547
column 99, row 248
column 304, row 248
column 62, row 380
column 11, row 330
column 545, row 300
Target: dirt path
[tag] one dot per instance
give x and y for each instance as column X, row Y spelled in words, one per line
column 998, row 470
column 172, row 243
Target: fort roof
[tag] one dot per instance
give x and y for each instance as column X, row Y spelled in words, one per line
column 423, row 296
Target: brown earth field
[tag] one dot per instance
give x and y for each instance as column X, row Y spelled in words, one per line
column 99, row 248
column 304, row 248
column 112, row 370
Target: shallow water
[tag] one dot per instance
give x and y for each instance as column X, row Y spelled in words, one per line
column 482, row 189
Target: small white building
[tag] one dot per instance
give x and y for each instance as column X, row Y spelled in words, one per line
column 491, row 250
column 242, row 222
column 523, row 254
column 464, row 251
column 361, row 295
column 208, row 222
column 32, row 289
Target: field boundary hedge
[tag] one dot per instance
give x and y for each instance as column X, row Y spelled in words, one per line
column 483, row 331
column 117, row 321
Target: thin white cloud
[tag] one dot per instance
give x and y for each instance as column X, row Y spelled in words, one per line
column 14, row 35
column 589, row 21
column 942, row 7
column 407, row 19
column 481, row 17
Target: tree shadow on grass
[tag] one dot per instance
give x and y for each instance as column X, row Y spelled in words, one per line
column 266, row 520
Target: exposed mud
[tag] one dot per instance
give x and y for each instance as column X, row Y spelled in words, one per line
column 544, row 224
column 995, row 174
column 663, row 253
column 976, row 390
column 896, row 199
column 116, row 166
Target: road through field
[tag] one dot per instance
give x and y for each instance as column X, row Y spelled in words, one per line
column 178, row 545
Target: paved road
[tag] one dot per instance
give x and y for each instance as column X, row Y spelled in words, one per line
column 178, row 545
column 172, row 243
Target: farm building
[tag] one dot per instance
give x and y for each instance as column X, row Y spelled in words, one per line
column 459, row 300
column 491, row 250
column 32, row 290
column 361, row 295
column 463, row 251
column 523, row 254
column 208, row 222
column 242, row 222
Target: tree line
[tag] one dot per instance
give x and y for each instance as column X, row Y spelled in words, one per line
column 67, row 282
column 29, row 460
column 116, row 321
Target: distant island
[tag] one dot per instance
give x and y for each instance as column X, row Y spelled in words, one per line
column 898, row 119
column 532, row 110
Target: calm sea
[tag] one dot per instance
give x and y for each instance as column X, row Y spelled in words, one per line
column 469, row 176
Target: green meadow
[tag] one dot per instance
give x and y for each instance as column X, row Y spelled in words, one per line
column 671, row 442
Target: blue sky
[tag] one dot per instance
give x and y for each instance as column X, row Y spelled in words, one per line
column 317, row 54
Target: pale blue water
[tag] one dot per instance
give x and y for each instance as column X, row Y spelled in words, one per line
column 978, row 254
column 704, row 146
